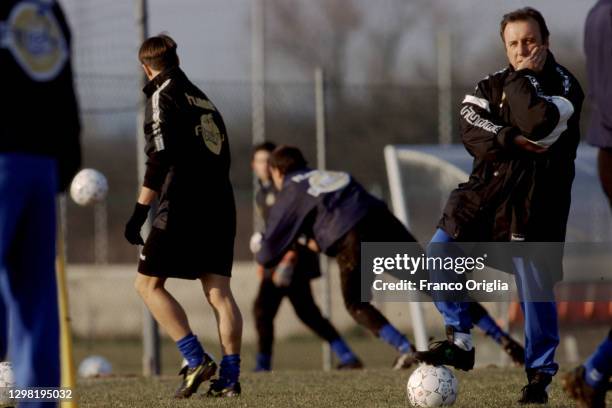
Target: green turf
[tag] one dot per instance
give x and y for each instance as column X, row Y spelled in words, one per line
column 485, row 387
column 298, row 381
column 297, row 353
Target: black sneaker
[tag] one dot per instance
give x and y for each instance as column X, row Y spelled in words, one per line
column 405, row 360
column 514, row 350
column 535, row 391
column 355, row 364
column 580, row 391
column 193, row 377
column 445, row 352
column 220, row 388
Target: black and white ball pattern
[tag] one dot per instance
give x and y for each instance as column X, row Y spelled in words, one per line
column 7, row 380
column 95, row 366
column 432, row 386
column 6, row 375
column 88, row 187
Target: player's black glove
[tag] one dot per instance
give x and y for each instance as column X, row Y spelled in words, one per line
column 135, row 223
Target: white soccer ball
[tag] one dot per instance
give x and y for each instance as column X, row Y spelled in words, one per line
column 432, row 386
column 255, row 242
column 94, row 366
column 89, row 186
column 7, row 380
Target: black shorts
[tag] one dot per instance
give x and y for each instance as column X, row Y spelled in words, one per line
column 166, row 257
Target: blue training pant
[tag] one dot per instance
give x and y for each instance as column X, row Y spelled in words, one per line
column 541, row 323
column 29, row 322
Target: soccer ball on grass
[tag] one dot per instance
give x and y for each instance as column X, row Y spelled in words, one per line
column 95, row 366
column 432, row 386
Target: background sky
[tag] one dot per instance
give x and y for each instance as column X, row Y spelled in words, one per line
column 214, row 35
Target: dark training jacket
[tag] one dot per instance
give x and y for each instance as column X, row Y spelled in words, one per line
column 265, row 197
column 308, row 261
column 510, row 190
column 38, row 104
column 323, row 205
column 513, row 194
column 188, row 160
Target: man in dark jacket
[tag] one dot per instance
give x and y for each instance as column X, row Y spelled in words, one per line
column 192, row 236
column 521, row 127
column 291, row 278
column 39, row 155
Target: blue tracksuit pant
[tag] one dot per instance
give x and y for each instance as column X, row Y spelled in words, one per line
column 29, row 323
column 541, row 324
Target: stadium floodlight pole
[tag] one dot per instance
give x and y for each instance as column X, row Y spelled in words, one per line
column 101, row 233
column 398, row 203
column 321, row 165
column 151, row 362
column 444, row 67
column 257, row 71
column 258, row 100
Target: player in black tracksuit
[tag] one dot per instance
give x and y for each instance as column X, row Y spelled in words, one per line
column 291, row 278
column 193, row 230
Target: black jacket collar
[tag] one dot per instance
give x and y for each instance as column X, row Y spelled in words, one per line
column 156, row 82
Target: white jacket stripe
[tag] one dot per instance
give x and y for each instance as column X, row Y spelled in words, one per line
column 566, row 110
column 480, row 102
column 158, row 137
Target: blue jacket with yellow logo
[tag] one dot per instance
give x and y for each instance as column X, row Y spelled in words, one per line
column 35, row 60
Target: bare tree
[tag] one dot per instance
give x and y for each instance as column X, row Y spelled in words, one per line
column 314, row 35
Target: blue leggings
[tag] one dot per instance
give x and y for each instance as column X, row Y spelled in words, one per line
column 28, row 185
column 541, row 325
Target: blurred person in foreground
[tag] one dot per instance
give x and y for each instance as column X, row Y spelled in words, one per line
column 290, row 278
column 521, row 125
column 598, row 50
column 192, row 236
column 588, row 383
column 39, row 155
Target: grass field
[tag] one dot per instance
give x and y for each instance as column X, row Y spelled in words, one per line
column 297, row 380
column 484, row 387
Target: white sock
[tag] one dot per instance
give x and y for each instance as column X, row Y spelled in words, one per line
column 463, row 341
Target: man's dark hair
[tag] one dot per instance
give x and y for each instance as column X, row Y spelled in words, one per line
column 523, row 14
column 266, row 146
column 159, row 52
column 287, row 159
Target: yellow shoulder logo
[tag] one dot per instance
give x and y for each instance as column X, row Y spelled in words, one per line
column 35, row 38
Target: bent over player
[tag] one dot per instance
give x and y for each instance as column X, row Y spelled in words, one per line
column 192, row 236
column 338, row 215
column 291, row 278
